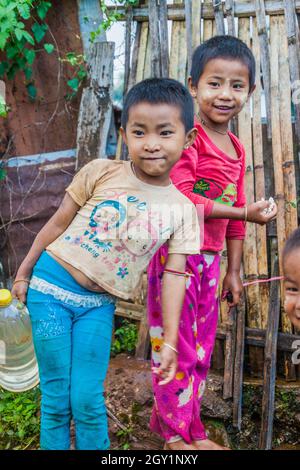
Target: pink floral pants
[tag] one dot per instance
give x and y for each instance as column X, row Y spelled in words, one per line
column 176, row 411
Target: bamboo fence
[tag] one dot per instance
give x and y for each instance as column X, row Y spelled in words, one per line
column 270, row 29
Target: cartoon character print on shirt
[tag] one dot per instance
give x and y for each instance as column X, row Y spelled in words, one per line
column 185, row 395
column 105, row 216
column 156, row 339
column 212, row 190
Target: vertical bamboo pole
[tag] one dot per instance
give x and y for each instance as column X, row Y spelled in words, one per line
column 250, row 251
column 196, row 24
column 265, row 57
column 164, row 40
column 287, row 151
column 155, row 48
column 174, row 58
column 261, row 231
column 207, row 29
column 229, row 9
column 219, row 17
column 189, row 32
column 142, row 52
column 293, row 50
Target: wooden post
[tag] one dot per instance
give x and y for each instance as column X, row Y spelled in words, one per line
column 265, row 58
column 164, row 41
column 219, row 16
column 239, row 368
column 230, row 343
column 293, row 45
column 154, row 38
column 269, row 381
column 229, row 9
column 189, row 32
column 96, row 106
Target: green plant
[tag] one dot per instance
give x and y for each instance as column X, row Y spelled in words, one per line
column 22, row 29
column 3, row 107
column 125, row 338
column 77, row 62
column 19, row 420
column 110, row 17
column 124, row 437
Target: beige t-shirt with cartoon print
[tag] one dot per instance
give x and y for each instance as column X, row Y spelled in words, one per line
column 121, row 223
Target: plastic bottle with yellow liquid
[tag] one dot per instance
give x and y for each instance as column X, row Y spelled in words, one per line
column 18, row 365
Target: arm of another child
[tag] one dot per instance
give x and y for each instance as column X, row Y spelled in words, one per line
column 173, row 291
column 50, row 232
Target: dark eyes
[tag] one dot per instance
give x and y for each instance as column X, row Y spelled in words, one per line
column 291, row 289
column 166, row 133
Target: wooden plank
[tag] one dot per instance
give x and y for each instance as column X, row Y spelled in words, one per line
column 257, row 337
column 182, row 54
column 189, row 32
column 154, row 38
column 276, row 39
column 268, row 398
column 173, row 66
column 164, row 38
column 243, row 9
column 288, row 166
column 219, row 17
column 250, row 251
column 238, row 369
column 96, row 105
column 127, row 49
column 265, row 58
column 196, row 23
column 230, row 343
column 229, row 9
column 261, row 231
column 207, row 29
column 142, row 52
column 293, row 45
column 135, row 56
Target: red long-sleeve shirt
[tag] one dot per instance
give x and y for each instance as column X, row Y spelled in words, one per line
column 205, row 174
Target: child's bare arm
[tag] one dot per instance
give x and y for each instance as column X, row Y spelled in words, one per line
column 51, row 230
column 173, row 291
column 254, row 212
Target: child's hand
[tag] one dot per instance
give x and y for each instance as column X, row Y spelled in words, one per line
column 232, row 283
column 168, row 365
column 256, row 214
column 19, row 291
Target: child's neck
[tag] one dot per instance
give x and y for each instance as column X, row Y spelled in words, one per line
column 218, row 128
column 162, row 180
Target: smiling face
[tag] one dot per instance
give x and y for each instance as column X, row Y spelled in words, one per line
column 222, row 90
column 155, row 136
column 291, row 268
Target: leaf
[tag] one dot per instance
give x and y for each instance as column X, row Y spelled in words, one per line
column 24, row 10
column 42, row 9
column 3, row 68
column 28, row 37
column 39, row 31
column 74, row 84
column 29, row 55
column 28, row 73
column 11, row 52
column 49, row 48
column 31, row 91
column 19, row 34
column 3, row 40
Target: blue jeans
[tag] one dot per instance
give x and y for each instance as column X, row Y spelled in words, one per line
column 72, row 329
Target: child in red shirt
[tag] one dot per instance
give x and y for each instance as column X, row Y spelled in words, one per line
column 211, row 174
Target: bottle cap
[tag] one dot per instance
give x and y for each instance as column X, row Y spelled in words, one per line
column 5, row 297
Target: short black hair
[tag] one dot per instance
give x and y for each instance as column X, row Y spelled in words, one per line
column 225, row 47
column 292, row 243
column 158, row 91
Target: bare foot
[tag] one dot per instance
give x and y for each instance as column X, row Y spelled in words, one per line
column 207, row 444
column 180, row 445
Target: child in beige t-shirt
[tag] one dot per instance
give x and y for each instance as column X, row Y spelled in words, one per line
column 114, row 217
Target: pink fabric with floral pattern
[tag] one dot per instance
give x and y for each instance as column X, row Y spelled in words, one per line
column 176, row 411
